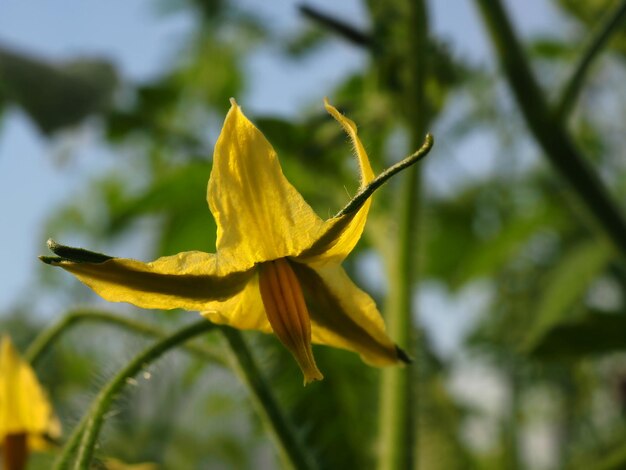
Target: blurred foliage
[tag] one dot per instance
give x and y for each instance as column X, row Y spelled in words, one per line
column 590, row 13
column 73, row 90
column 553, row 325
column 579, row 338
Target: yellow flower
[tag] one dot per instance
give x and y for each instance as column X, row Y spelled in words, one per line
column 26, row 417
column 277, row 267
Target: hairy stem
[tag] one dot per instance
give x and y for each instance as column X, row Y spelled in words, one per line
column 44, row 341
column 359, row 199
column 105, row 398
column 63, row 460
column 286, row 438
column 263, row 398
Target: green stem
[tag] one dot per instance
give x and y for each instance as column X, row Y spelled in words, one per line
column 556, row 143
column 63, row 461
column 264, row 400
column 44, row 341
column 610, row 24
column 266, row 404
column 359, row 199
column 399, row 392
column 112, row 389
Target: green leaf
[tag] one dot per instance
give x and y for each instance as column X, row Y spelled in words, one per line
column 56, row 96
column 492, row 254
column 552, row 49
column 194, row 229
column 566, row 287
column 615, row 460
column 459, row 229
column 175, row 191
column 596, row 333
column 305, row 43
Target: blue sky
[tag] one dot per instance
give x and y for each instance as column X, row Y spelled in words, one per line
column 141, row 42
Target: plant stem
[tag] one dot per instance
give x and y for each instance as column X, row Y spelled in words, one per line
column 337, row 26
column 266, row 404
column 399, row 394
column 62, row 462
column 263, row 398
column 44, row 341
column 556, row 143
column 424, row 148
column 110, row 391
column 610, row 24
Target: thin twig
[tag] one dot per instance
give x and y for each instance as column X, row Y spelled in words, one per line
column 343, row 29
column 609, row 25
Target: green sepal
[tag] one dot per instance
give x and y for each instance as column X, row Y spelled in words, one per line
column 77, row 255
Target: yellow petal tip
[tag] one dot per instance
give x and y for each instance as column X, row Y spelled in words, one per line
column 329, row 107
column 233, row 103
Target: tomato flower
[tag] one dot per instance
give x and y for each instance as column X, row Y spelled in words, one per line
column 277, row 266
column 27, row 421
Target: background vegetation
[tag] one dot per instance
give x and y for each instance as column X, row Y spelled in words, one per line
column 537, row 234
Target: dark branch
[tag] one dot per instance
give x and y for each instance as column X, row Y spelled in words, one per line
column 610, row 24
column 339, row 27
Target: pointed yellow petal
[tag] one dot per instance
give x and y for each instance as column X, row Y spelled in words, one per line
column 24, row 407
column 260, row 216
column 344, row 316
column 189, row 280
column 243, row 311
column 339, row 235
column 349, row 126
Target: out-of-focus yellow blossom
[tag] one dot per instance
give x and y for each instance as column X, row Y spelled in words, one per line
column 27, row 421
column 277, row 267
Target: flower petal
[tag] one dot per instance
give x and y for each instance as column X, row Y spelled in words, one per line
column 288, row 315
column 260, row 216
column 189, row 280
column 24, row 407
column 344, row 316
column 339, row 235
column 243, row 311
